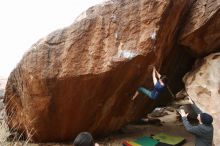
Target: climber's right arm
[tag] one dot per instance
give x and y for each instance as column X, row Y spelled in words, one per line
column 154, row 76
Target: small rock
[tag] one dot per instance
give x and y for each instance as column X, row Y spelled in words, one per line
column 158, row 112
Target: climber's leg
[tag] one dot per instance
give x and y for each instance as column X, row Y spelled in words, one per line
column 144, row 91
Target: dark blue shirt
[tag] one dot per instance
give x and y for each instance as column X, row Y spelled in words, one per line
column 157, row 89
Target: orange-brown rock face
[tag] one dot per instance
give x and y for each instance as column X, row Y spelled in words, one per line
column 203, row 85
column 82, row 78
column 202, row 30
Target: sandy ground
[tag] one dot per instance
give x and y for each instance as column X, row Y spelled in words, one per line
column 170, row 125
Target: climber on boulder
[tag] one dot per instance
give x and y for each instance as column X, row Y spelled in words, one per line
column 159, row 85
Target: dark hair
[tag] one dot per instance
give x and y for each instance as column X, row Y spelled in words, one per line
column 206, row 118
column 192, row 116
column 84, row 139
column 164, row 79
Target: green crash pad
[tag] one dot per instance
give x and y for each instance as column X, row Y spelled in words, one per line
column 146, row 141
column 142, row 141
column 168, row 139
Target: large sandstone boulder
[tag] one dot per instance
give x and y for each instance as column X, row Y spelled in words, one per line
column 203, row 85
column 83, row 76
column 202, row 30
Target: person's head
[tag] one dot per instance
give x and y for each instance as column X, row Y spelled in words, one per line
column 205, row 118
column 84, row 139
column 163, row 78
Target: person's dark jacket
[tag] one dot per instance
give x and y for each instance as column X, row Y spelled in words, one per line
column 202, row 132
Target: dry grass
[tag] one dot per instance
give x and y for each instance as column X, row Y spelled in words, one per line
column 4, row 130
column 7, row 137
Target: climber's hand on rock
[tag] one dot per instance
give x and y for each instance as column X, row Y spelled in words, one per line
column 151, row 67
column 154, row 67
